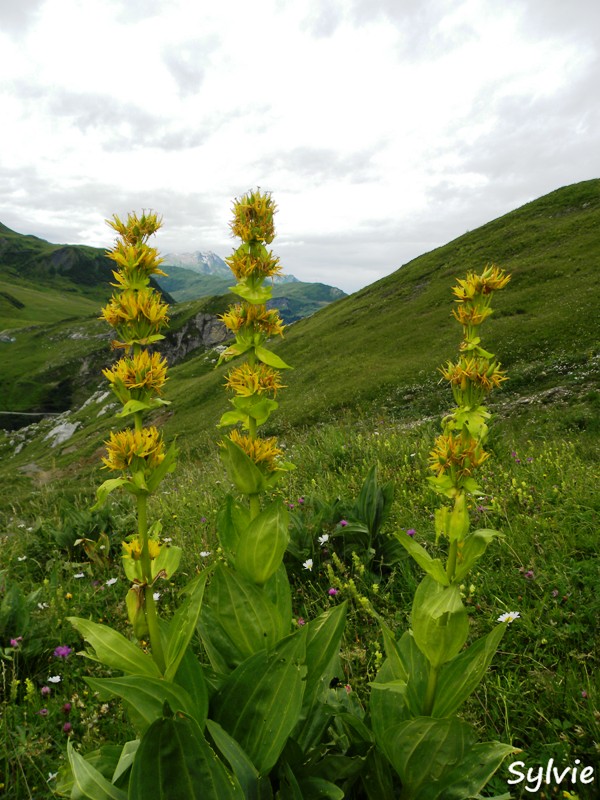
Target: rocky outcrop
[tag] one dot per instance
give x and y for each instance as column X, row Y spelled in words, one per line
column 203, row 331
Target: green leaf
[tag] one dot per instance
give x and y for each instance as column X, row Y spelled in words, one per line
column 261, row 546
column 243, row 614
column 243, row 769
column 105, row 489
column 233, row 518
column 260, row 701
column 89, row 782
column 439, row 621
column 473, row 547
column 166, row 562
column 125, row 759
column 190, row 676
column 424, row 749
column 461, row 676
column 242, row 470
column 113, row 649
column 146, row 696
column 269, row 358
column 183, row 624
column 257, row 295
column 473, row 773
column 324, row 634
column 133, row 406
column 166, row 465
column 174, row 761
column 432, row 566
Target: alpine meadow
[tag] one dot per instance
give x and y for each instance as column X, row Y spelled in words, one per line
column 265, row 540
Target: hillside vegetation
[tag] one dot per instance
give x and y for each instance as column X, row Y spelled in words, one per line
column 377, row 352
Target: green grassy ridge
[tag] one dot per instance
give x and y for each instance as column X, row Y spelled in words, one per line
column 377, row 352
column 23, row 304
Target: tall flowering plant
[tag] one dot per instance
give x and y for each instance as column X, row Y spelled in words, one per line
column 428, row 674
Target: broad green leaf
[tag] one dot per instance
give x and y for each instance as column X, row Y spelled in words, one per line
column 190, row 676
column 132, row 407
column 269, row 358
column 174, row 761
column 423, row 750
column 439, row 621
column 432, row 566
column 260, row 701
column 126, row 759
column 233, row 518
column 244, row 614
column 232, row 418
column 255, row 295
column 473, row 773
column 166, row 465
column 113, row 649
column 146, row 696
column 166, row 562
column 104, row 760
column 458, row 521
column 183, row 624
column 242, row 470
column 461, row 676
column 243, row 769
column 471, row 549
column 262, row 544
column 377, row 780
column 89, row 782
column 314, row 788
column 105, row 489
column 324, row 634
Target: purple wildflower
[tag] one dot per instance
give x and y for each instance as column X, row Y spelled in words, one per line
column 301, row 622
column 62, row 651
column 16, row 642
column 410, row 532
column 43, row 712
column 342, row 523
column 45, row 691
column 67, row 727
column 332, row 592
column 66, row 709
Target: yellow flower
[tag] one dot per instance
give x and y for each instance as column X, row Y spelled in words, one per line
column 136, row 316
column 136, row 229
column 475, row 370
column 141, row 371
column 135, row 262
column 261, row 451
column 491, row 279
column 257, row 317
column 133, row 549
column 247, row 380
column 459, row 454
column 253, row 217
column 252, row 260
column 130, row 448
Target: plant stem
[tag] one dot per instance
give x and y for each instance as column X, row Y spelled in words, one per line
column 150, row 605
column 451, row 565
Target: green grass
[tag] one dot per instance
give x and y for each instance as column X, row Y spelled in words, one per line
column 539, row 494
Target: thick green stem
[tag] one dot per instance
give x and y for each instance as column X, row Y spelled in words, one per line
column 430, row 693
column 150, row 605
column 451, row 564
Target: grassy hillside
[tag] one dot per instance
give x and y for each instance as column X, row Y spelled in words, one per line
column 295, row 300
column 377, row 351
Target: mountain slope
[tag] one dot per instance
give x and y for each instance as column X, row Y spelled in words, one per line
column 377, row 352
column 42, row 282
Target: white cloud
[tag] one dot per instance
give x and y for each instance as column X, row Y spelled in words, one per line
column 382, row 128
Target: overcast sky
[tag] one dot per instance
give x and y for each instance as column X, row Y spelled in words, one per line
column 383, row 128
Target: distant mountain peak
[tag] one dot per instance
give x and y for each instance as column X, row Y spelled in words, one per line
column 209, row 263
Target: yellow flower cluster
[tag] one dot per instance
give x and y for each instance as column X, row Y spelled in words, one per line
column 133, row 549
column 458, row 454
column 253, row 217
column 262, row 451
column 134, row 448
column 253, row 316
column 249, row 379
column 136, row 316
column 136, row 229
column 475, row 370
column 140, row 371
column 253, row 260
column 134, row 262
column 490, row 280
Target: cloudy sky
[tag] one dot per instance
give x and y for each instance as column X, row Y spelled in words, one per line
column 383, row 128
